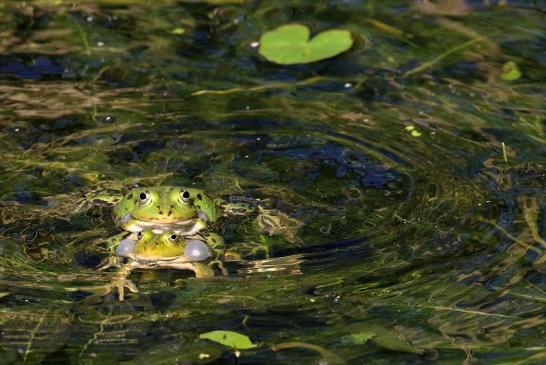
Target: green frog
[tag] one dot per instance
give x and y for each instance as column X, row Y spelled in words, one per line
column 185, row 211
column 168, row 250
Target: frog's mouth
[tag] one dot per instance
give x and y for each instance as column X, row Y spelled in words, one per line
column 187, row 227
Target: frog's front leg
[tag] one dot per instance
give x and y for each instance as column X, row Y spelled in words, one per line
column 120, row 281
column 219, row 262
column 201, row 271
column 110, row 261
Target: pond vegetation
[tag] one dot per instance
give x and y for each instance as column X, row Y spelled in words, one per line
column 391, row 155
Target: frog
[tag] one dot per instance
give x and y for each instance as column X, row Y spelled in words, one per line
column 147, row 249
column 183, row 210
column 187, row 211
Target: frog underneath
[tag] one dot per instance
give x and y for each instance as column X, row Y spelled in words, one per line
column 167, row 250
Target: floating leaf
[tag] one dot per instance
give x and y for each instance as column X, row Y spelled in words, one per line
column 413, row 131
column 178, row 31
column 510, row 71
column 229, row 338
column 359, row 338
column 290, row 44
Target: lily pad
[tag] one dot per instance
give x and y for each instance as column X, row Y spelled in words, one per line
column 290, row 44
column 229, row 338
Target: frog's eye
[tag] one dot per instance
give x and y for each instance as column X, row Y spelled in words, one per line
column 172, row 238
column 185, row 197
column 139, row 235
column 144, row 198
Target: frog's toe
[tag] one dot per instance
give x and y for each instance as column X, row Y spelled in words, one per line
column 121, row 285
column 131, row 286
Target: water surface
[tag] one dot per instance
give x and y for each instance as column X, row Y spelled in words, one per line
column 409, row 174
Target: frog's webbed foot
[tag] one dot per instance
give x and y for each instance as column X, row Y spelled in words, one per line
column 121, row 285
column 120, row 282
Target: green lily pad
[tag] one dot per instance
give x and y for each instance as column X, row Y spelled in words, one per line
column 290, row 44
column 229, row 338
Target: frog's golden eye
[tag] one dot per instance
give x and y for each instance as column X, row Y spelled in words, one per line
column 144, row 198
column 185, row 197
column 139, row 235
column 172, row 238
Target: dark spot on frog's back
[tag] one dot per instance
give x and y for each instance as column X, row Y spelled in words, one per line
column 160, row 212
column 170, row 212
column 130, row 196
column 199, row 197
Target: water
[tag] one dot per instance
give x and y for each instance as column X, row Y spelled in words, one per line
column 407, row 176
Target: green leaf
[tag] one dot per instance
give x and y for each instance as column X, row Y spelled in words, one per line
column 229, row 338
column 359, row 338
column 178, row 31
column 290, row 44
column 510, row 71
column 391, row 340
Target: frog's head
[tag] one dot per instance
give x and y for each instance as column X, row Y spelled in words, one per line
column 159, row 205
column 150, row 245
column 153, row 245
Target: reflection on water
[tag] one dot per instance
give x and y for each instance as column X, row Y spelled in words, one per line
column 395, row 208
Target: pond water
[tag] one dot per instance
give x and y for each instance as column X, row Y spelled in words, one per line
column 400, row 185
